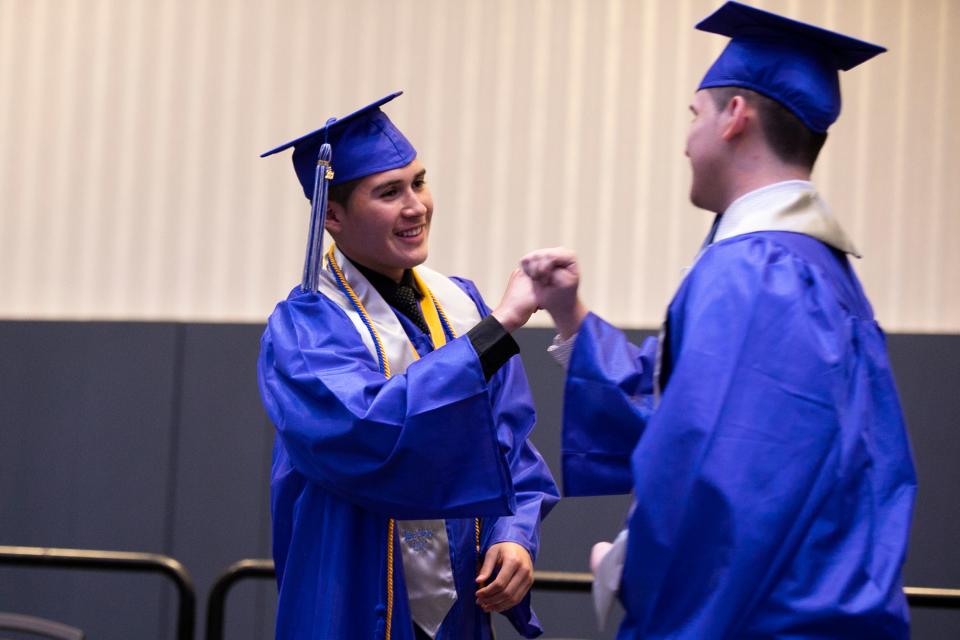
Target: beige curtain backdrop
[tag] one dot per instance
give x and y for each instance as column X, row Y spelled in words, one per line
column 130, row 186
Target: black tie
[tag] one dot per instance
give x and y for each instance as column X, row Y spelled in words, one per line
column 402, row 296
column 406, row 300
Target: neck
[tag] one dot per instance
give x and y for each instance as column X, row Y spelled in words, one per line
column 759, row 176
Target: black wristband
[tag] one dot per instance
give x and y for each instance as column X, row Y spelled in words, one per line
column 493, row 345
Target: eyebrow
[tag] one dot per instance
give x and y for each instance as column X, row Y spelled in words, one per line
column 396, row 182
column 384, row 185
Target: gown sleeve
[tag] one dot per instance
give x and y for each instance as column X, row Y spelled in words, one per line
column 743, row 449
column 608, row 399
column 420, row 445
column 534, row 485
column 536, row 491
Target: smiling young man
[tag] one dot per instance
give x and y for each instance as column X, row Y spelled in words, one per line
column 406, row 497
column 390, row 235
column 760, row 434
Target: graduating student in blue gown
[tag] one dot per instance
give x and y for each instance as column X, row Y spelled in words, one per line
column 406, row 496
column 761, row 433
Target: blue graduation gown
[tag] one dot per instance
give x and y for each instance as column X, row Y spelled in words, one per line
column 354, row 449
column 773, row 482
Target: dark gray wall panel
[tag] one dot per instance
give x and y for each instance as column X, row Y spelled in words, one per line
column 151, row 437
column 927, row 368
column 85, row 438
column 223, row 457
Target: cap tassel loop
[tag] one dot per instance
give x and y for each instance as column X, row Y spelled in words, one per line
column 318, row 218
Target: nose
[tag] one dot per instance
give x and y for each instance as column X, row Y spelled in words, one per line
column 415, row 204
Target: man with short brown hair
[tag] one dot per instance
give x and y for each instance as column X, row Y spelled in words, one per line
column 761, row 433
column 406, row 496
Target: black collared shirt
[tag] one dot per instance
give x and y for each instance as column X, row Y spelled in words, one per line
column 404, row 296
column 490, row 340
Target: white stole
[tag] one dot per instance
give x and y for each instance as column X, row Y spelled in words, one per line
column 793, row 205
column 424, row 545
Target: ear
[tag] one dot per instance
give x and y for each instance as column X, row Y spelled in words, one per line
column 735, row 115
column 335, row 215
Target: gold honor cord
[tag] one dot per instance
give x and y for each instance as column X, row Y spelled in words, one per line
column 347, row 289
column 437, row 322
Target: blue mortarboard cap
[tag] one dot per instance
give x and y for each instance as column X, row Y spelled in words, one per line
column 791, row 62
column 360, row 144
column 363, row 143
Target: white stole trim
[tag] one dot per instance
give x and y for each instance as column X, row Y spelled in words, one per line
column 428, row 572
column 793, row 205
column 458, row 306
column 424, row 546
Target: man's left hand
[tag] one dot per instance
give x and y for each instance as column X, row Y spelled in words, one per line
column 513, row 580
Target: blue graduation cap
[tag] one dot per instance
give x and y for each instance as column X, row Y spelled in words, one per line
column 354, row 146
column 792, row 62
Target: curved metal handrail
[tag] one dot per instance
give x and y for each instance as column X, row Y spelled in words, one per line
column 39, row 626
column 217, row 600
column 566, row 581
column 115, row 561
column 562, row 581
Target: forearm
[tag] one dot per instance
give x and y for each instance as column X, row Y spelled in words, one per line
column 569, row 319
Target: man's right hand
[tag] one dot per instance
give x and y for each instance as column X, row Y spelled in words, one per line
column 518, row 302
column 556, row 277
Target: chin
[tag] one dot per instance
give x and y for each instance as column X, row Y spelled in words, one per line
column 700, row 202
column 417, row 255
column 410, row 258
column 695, row 199
column 418, row 259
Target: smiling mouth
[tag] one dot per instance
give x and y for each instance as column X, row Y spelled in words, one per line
column 411, row 233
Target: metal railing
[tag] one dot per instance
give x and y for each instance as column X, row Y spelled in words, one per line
column 921, row 597
column 217, row 600
column 120, row 561
column 926, row 597
column 563, row 581
column 558, row 581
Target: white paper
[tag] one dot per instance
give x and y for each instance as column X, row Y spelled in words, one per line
column 606, row 578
